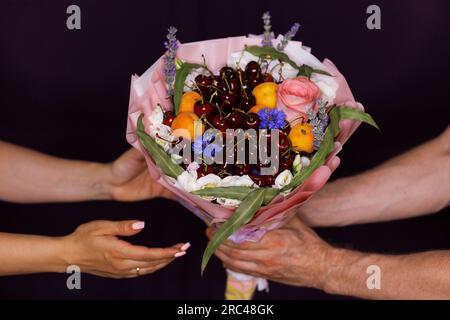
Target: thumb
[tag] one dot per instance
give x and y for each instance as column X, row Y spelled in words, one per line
column 117, row 228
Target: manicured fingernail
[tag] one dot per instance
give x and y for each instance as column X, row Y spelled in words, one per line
column 186, row 246
column 180, row 254
column 138, row 225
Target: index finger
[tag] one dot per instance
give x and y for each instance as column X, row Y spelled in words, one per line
column 247, row 245
column 142, row 253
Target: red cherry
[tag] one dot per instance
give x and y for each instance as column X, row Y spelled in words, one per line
column 253, row 81
column 246, row 100
column 257, row 179
column 203, row 109
column 204, row 170
column 168, row 118
column 203, row 82
column 283, row 142
column 269, row 180
column 252, row 68
column 252, row 121
column 267, row 77
column 287, row 128
column 219, row 123
column 234, row 120
column 227, row 72
column 286, row 163
column 228, row 100
column 242, row 169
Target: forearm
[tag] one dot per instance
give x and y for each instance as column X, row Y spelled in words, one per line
column 23, row 254
column 414, row 276
column 411, row 184
column 30, row 176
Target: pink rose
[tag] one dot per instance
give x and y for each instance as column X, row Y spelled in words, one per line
column 295, row 97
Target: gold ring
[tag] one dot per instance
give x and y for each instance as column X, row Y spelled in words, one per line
column 137, row 271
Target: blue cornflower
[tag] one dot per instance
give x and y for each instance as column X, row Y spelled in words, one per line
column 271, row 118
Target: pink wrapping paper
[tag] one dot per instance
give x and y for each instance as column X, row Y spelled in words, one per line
column 150, row 89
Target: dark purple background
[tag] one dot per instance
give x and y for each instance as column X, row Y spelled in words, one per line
column 66, row 93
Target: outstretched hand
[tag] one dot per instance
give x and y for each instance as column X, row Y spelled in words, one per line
column 129, row 179
column 96, row 249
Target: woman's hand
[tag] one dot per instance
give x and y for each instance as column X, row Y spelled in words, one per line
column 95, row 249
column 128, row 179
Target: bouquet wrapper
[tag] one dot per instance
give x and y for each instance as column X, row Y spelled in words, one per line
column 149, row 90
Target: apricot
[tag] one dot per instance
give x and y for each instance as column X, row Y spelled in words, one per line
column 258, row 107
column 266, row 94
column 187, row 125
column 188, row 100
column 302, row 138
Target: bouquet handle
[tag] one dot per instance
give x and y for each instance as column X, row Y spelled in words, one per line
column 242, row 286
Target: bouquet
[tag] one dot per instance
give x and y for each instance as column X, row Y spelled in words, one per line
column 241, row 130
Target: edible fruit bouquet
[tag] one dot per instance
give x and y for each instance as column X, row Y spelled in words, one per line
column 242, row 130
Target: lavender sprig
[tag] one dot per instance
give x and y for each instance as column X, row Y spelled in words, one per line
column 319, row 122
column 170, row 69
column 267, row 40
column 288, row 36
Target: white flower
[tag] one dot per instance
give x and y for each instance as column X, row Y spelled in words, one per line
column 305, row 162
column 287, row 71
column 237, row 181
column 157, row 116
column 187, row 181
column 193, row 166
column 208, row 181
column 176, row 158
column 297, row 164
column 162, row 135
column 234, row 181
column 190, row 79
column 283, row 179
column 228, row 202
column 241, row 59
column 327, row 85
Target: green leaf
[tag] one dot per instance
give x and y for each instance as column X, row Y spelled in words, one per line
column 270, row 53
column 180, row 78
column 237, row 193
column 161, row 158
column 307, row 71
column 243, row 214
column 336, row 114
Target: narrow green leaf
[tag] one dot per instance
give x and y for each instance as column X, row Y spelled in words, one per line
column 355, row 114
column 180, row 78
column 336, row 114
column 270, row 53
column 237, row 193
column 243, row 214
column 161, row 158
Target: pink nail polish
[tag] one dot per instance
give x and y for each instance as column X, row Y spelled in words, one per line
column 186, row 246
column 180, row 254
column 138, row 225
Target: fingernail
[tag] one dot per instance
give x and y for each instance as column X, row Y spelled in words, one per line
column 180, row 254
column 186, row 246
column 138, row 225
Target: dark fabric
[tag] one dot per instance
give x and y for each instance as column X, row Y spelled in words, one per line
column 66, row 93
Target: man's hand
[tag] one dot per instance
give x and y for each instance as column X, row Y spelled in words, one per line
column 129, row 180
column 292, row 255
